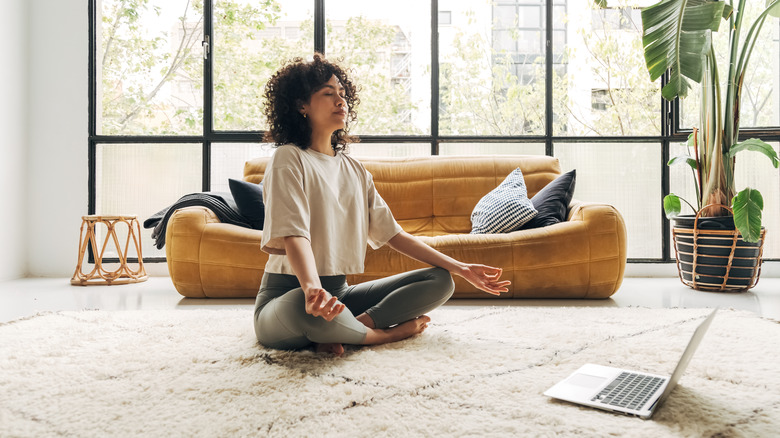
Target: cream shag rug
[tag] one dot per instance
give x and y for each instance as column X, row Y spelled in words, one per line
column 474, row 372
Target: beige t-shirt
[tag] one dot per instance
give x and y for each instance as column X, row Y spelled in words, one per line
column 331, row 201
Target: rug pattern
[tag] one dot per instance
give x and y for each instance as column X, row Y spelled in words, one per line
column 474, row 372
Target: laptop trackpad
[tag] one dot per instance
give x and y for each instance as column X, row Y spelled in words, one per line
column 586, row 380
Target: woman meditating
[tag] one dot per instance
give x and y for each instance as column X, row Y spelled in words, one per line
column 321, row 209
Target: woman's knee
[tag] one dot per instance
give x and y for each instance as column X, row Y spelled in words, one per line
column 281, row 318
column 444, row 285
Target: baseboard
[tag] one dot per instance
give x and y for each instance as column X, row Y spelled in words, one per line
column 157, row 269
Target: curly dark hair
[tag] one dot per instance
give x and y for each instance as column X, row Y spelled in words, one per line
column 295, row 83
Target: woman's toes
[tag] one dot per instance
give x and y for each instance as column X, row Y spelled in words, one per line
column 336, row 349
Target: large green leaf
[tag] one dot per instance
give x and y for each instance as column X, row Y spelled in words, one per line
column 756, row 145
column 747, row 207
column 676, row 37
column 672, row 206
column 775, row 11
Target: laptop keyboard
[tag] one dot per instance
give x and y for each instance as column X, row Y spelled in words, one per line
column 629, row 390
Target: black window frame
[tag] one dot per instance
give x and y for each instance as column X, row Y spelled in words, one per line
column 670, row 111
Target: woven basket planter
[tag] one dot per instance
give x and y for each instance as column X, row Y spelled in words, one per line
column 711, row 255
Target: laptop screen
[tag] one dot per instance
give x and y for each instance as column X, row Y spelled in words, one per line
column 686, row 357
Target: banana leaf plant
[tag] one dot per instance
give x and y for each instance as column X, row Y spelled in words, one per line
column 677, row 37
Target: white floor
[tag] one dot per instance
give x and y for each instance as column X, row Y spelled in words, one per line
column 26, row 297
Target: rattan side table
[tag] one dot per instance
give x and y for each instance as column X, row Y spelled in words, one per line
column 99, row 275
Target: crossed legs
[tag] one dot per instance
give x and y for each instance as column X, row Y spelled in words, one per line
column 388, row 310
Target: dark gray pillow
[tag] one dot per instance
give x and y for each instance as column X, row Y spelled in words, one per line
column 249, row 199
column 552, row 202
column 505, row 208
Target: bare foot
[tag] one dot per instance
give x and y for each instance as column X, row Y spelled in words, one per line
column 336, row 349
column 410, row 328
column 401, row 331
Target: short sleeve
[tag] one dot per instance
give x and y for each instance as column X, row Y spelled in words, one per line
column 381, row 224
column 286, row 208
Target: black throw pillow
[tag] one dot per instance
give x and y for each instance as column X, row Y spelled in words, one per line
column 249, row 199
column 552, row 202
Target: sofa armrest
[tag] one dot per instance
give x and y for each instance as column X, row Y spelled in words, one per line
column 182, row 248
column 606, row 232
column 211, row 259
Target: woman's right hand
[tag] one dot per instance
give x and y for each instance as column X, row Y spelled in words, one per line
column 320, row 303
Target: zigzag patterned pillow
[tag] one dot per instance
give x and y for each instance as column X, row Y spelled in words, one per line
column 506, row 208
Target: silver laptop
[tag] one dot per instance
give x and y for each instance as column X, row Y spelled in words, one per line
column 624, row 391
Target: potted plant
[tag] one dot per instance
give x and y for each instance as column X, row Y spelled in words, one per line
column 677, row 38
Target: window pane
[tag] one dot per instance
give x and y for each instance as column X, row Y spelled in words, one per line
column 252, row 40
column 505, row 17
column 504, row 41
column 752, row 170
column 481, row 56
column 559, row 17
column 530, row 16
column 368, row 150
column 604, row 57
column 227, row 161
column 388, row 47
column 681, row 179
column 142, row 179
column 491, row 149
column 682, row 184
column 627, row 176
column 445, row 18
column 529, row 42
column 149, row 67
column 760, row 105
column 559, row 45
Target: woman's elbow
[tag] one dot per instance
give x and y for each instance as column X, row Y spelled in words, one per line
column 397, row 241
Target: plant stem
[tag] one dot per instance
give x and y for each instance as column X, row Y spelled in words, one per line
column 697, row 172
column 689, row 205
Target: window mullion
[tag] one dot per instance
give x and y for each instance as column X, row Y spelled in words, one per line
column 319, row 26
column 548, row 85
column 91, row 147
column 208, row 92
column 435, row 77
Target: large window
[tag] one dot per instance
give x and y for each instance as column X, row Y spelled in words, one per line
column 149, row 69
column 388, row 47
column 177, row 89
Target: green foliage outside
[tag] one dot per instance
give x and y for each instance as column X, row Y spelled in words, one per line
column 135, row 66
column 480, row 92
column 128, row 57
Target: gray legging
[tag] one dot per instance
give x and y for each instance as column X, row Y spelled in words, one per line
column 281, row 320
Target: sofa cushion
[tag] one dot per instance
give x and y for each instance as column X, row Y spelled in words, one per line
column 446, row 188
column 552, row 202
column 249, row 199
column 506, row 208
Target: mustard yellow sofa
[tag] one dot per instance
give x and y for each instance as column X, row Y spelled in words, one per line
column 430, row 197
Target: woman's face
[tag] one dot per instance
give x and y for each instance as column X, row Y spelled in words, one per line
column 327, row 109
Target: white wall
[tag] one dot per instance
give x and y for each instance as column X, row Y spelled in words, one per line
column 13, row 141
column 57, row 135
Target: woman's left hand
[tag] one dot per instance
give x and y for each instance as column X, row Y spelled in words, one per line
column 485, row 278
